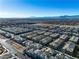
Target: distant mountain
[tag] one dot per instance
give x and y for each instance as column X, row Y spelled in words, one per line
column 67, row 16
column 56, row 17
column 43, row 18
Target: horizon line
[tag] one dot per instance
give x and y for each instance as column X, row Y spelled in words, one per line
column 36, row 16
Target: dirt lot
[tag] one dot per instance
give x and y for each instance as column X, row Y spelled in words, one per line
column 18, row 46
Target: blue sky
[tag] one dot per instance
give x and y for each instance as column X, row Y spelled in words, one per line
column 38, row 8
